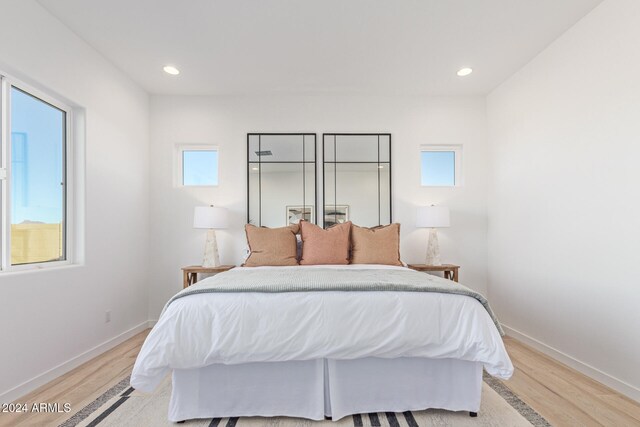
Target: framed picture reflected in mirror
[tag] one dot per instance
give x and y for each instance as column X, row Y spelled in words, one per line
column 337, row 214
column 297, row 213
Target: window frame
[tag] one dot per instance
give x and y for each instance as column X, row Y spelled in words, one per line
column 178, row 163
column 6, row 83
column 458, row 176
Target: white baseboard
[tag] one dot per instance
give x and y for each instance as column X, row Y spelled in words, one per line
column 588, row 370
column 30, row 385
column 57, row 371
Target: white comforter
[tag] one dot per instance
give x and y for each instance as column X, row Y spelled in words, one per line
column 232, row 328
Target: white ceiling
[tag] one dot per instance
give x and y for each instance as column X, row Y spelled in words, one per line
column 326, row 46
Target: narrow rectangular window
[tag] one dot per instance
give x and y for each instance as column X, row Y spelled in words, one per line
column 35, row 217
column 38, row 135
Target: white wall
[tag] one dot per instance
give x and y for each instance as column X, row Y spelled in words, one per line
column 50, row 319
column 225, row 121
column 564, row 211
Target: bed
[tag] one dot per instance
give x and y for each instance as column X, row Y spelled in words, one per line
column 316, row 350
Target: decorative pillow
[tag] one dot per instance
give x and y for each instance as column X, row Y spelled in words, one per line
column 330, row 246
column 377, row 245
column 271, row 246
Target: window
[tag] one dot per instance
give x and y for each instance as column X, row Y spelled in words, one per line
column 441, row 166
column 35, row 143
column 196, row 165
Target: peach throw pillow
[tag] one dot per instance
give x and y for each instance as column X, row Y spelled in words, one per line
column 271, row 246
column 377, row 245
column 330, row 246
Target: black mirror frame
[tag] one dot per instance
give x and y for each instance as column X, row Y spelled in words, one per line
column 324, row 162
column 303, row 161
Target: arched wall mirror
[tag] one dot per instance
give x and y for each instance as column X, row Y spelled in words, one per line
column 281, row 178
column 356, row 179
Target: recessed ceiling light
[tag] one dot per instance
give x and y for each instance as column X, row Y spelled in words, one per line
column 464, row 71
column 170, row 69
column 380, row 167
column 255, row 169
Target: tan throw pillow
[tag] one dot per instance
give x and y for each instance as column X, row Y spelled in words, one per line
column 271, row 246
column 377, row 245
column 330, row 246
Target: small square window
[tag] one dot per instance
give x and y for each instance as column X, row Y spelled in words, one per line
column 196, row 166
column 440, row 166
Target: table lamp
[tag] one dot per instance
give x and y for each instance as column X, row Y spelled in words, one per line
column 433, row 217
column 210, row 218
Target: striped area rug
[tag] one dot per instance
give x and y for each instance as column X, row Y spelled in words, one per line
column 122, row 406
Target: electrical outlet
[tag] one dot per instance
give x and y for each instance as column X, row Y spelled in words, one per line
column 107, row 316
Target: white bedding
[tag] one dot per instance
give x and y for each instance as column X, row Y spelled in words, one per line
column 313, row 389
column 233, row 328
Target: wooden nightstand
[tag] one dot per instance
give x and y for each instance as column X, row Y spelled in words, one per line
column 190, row 274
column 450, row 271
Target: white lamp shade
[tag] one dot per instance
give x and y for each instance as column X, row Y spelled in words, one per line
column 433, row 217
column 210, row 217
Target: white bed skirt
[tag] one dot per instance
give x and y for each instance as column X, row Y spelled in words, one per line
column 317, row 388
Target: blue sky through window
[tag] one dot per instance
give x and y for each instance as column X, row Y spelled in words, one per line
column 438, row 168
column 200, row 167
column 37, row 154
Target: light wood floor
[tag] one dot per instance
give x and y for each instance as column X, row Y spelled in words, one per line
column 560, row 394
column 79, row 387
column 564, row 396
